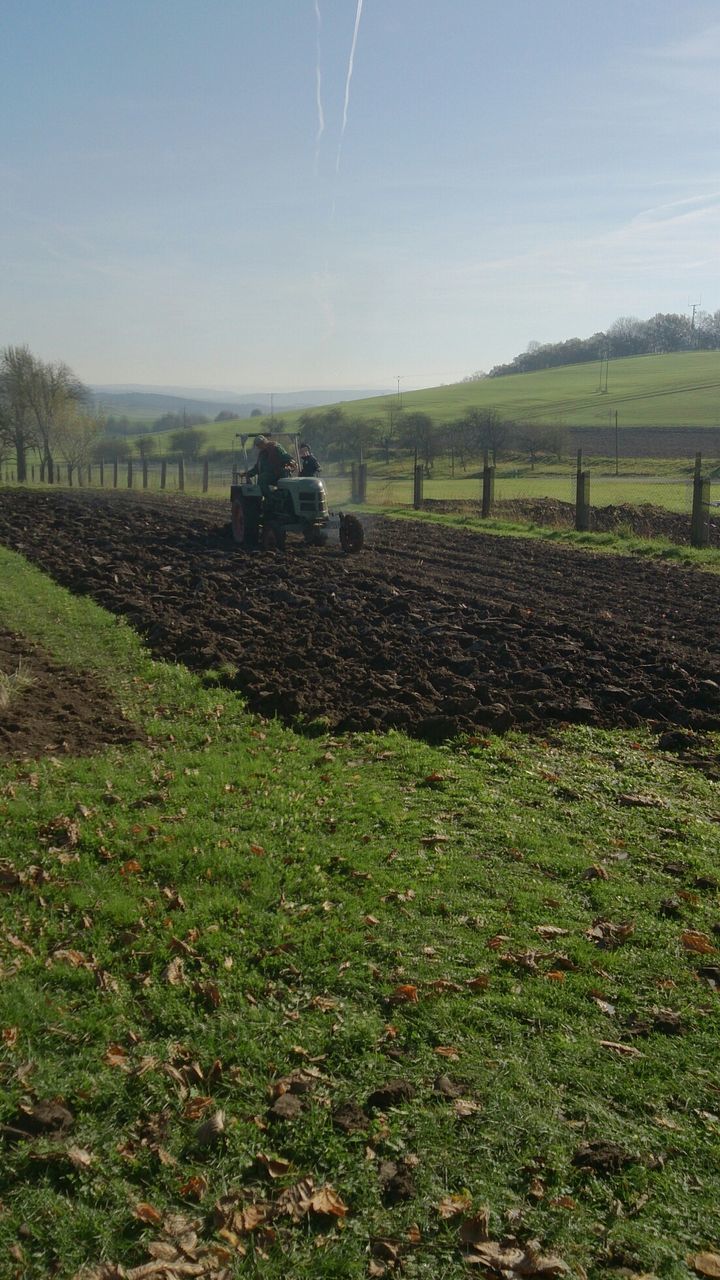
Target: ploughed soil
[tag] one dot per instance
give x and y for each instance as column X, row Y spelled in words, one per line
column 645, row 520
column 430, row 629
column 57, row 710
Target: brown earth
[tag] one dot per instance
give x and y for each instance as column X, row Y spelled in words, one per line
column 60, row 711
column 430, row 629
column 644, row 520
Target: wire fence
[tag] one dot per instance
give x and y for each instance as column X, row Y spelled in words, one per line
column 676, row 501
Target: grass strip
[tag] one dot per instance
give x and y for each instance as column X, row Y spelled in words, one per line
column 510, row 933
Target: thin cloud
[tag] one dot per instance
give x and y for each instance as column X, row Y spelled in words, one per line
column 348, row 81
column 318, row 84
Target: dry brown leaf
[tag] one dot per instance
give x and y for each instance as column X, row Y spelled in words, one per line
column 478, row 983
column 555, row 975
column 131, row 868
column 405, row 993
column 550, row 931
column 698, row 942
column 273, row 1166
column 463, row 1107
column 512, row 1261
column 194, row 1188
column 451, row 1205
column 116, row 1056
column 475, row 1230
column 148, row 1213
column 174, row 972
column 74, row 958
column 706, row 1264
column 497, row 941
column 79, row 1157
column 448, row 1051
column 327, row 1201
column 628, row 1050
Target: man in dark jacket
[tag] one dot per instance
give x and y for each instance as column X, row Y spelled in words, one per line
column 272, row 464
column 309, row 465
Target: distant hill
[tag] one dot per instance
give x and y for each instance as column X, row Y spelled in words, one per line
column 149, row 403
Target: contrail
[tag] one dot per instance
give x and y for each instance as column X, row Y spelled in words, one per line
column 318, row 87
column 358, row 15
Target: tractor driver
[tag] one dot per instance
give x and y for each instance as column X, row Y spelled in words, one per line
column 273, row 462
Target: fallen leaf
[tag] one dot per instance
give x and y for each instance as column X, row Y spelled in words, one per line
column 194, row 1188
column 555, row 975
column 549, row 931
column 464, row 1107
column 148, row 1213
column 706, row 1264
column 405, row 993
column 448, row 1051
column 79, row 1157
column 174, row 972
column 475, row 1230
column 478, row 983
column 628, row 1050
column 327, row 1201
column 699, row 942
column 130, row 868
column 451, row 1205
column 273, row 1166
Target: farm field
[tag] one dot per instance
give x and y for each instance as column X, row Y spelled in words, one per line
column 435, row 631
column 674, row 391
column 347, row 1003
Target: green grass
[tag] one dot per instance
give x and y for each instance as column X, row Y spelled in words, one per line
column 306, row 885
column 676, row 390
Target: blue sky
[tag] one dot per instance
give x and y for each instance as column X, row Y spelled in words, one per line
column 197, row 193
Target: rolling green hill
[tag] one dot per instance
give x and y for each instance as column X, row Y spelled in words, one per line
column 678, row 390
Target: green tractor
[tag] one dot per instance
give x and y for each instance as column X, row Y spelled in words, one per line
column 296, row 504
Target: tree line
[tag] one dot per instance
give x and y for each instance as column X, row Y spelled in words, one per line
column 44, row 409
column 340, row 437
column 628, row 336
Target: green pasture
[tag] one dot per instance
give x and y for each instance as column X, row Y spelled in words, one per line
column 406, row 941
column 676, row 390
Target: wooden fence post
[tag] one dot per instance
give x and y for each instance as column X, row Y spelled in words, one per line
column 700, row 519
column 163, row 473
column 115, row 473
column 145, row 472
column 69, row 474
column 206, row 476
column 181, row 475
column 488, row 486
column 418, row 477
column 362, row 482
column 582, row 497
column 129, row 474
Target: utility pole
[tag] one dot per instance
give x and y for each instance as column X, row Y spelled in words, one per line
column 694, row 307
column 399, row 393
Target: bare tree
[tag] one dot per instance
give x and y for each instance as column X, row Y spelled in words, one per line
column 76, row 432
column 17, row 423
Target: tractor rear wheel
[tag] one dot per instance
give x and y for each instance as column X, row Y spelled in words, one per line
column 273, row 536
column 352, row 534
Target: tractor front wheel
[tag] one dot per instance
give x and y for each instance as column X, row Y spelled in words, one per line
column 352, row 535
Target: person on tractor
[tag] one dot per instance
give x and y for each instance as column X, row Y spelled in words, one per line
column 272, row 464
column 309, row 465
